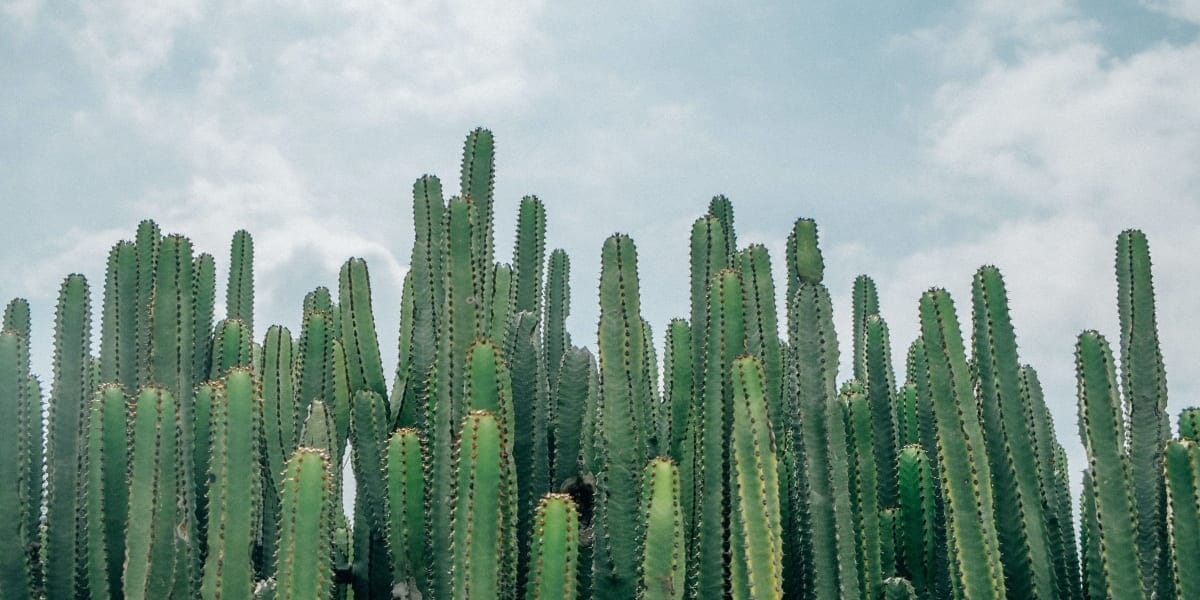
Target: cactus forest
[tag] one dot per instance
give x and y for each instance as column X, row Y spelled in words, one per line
column 178, row 453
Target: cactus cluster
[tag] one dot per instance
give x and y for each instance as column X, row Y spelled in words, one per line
column 189, row 458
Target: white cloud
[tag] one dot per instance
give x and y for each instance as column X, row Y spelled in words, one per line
column 1182, row 9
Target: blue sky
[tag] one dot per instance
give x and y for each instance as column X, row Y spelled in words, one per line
column 926, row 138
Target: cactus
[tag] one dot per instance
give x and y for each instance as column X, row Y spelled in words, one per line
column 204, row 290
column 1183, row 515
column 15, row 576
column 677, row 384
column 862, row 423
column 721, row 209
column 530, row 415
column 1144, row 388
column 107, row 497
column 662, row 567
column 477, row 184
column 554, row 557
column 155, row 459
column 368, row 436
column 231, row 347
column 557, row 306
column 305, row 527
column 571, row 395
column 918, row 513
column 358, row 328
column 880, row 384
column 146, row 244
column 622, row 435
column 970, row 525
column 31, row 434
column 725, row 341
column 1008, row 419
column 709, row 255
column 529, row 255
column 480, row 518
column 426, row 281
column 406, row 510
column 755, row 534
column 119, row 357
column 498, row 302
column 64, row 443
column 896, row 588
column 1102, row 429
column 313, row 362
column 864, row 300
column 1189, row 424
column 845, row 551
column 234, row 498
column 280, row 428
column 239, row 294
column 1094, row 585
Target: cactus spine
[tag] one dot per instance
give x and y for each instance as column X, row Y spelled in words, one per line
column 554, row 557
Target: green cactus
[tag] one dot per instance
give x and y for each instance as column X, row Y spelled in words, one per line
column 477, row 184
column 970, row 525
column 151, row 551
column 406, row 511
column 529, row 255
column 530, row 415
column 15, row 576
column 306, row 527
column 557, row 306
column 908, row 425
column 1094, row 584
column 918, row 514
column 107, row 497
column 662, row 567
column 571, row 396
column 1144, row 388
column 499, row 302
column 31, row 433
column 426, row 280
column 358, row 328
column 147, row 241
column 119, row 357
column 1102, row 429
column 481, row 521
column 204, row 291
column 897, row 588
column 280, row 428
column 239, row 294
column 864, row 300
column 708, row 255
column 313, row 362
column 234, row 496
column 232, row 347
column 554, row 557
column 1183, row 515
column 862, row 421
column 889, row 540
column 725, row 341
column 677, row 384
column 64, row 442
column 1189, row 424
column 721, row 209
column 845, row 551
column 369, row 427
column 1012, row 458
column 755, row 529
column 880, row 384
column 621, row 433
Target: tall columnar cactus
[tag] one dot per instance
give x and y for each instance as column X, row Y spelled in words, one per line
column 234, row 496
column 880, row 390
column 239, row 294
column 31, row 431
column 1183, row 515
column 426, row 278
column 865, row 486
column 570, row 398
column 154, row 476
column 970, row 524
column 762, row 331
column 1053, row 477
column 358, row 328
column 725, row 341
column 406, row 511
column 477, row 183
column 306, row 527
column 14, row 560
column 280, row 426
column 755, row 537
column 498, row 302
column 458, row 325
column 146, row 241
column 662, row 568
column 107, row 497
column 554, row 561
column 64, row 445
column 1189, row 424
column 368, row 436
column 677, row 384
column 908, row 425
column 708, row 255
column 119, row 357
column 1094, row 585
column 918, row 514
column 1012, row 458
column 556, row 307
column 404, row 350
column 864, row 300
column 1144, row 388
column 530, row 416
column 529, row 255
column 481, row 522
column 622, row 436
column 1101, row 427
column 204, row 295
column 313, row 361
column 848, row 568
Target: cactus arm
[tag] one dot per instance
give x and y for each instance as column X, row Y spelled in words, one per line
column 918, row 513
column 239, row 294
column 499, row 302
column 14, row 562
column 838, row 471
column 555, row 554
column 531, row 451
column 427, row 281
column 147, row 241
column 970, row 524
column 880, row 385
column 557, row 306
column 204, row 291
column 529, row 255
column 721, row 209
column 1094, row 585
column 662, row 567
column 570, row 397
column 755, row 534
column 479, row 514
column 1102, row 429
column 677, row 384
column 107, row 496
column 862, row 424
column 406, row 509
column 477, row 183
column 1189, row 424
column 358, row 328
column 404, row 348
column 864, row 300
column 234, row 499
column 306, row 528
column 119, row 316
column 313, row 361
column 708, row 255
column 231, row 347
column 150, row 549
column 68, row 400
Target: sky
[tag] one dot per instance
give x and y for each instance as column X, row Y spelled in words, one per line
column 926, row 139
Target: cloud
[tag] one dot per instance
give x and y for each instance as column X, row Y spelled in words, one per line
column 1188, row 10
